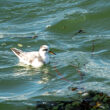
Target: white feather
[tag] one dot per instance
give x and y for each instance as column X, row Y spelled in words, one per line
column 36, row 58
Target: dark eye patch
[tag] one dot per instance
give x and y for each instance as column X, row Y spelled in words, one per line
column 45, row 49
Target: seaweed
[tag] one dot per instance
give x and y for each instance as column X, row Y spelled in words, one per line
column 93, row 101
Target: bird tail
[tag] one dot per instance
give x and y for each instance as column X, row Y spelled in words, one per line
column 17, row 52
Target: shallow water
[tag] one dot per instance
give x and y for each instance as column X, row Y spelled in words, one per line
column 56, row 24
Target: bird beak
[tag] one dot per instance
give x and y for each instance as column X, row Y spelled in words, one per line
column 52, row 53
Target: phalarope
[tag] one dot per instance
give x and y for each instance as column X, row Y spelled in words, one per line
column 35, row 58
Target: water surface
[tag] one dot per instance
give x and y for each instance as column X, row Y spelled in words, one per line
column 56, row 24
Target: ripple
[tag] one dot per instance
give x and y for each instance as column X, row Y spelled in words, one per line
column 55, row 23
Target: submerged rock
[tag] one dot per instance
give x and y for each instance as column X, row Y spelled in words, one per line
column 93, row 101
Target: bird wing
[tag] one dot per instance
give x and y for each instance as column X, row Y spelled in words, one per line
column 26, row 57
column 17, row 52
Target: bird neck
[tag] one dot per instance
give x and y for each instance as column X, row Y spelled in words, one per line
column 44, row 57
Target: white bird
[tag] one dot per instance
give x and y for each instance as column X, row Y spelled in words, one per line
column 35, row 58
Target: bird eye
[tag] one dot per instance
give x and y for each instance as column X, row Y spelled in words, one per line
column 45, row 49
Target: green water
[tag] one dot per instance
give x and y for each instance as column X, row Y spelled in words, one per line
column 56, row 23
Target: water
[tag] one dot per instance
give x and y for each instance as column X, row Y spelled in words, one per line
column 56, row 23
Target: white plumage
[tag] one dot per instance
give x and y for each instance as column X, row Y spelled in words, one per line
column 35, row 58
